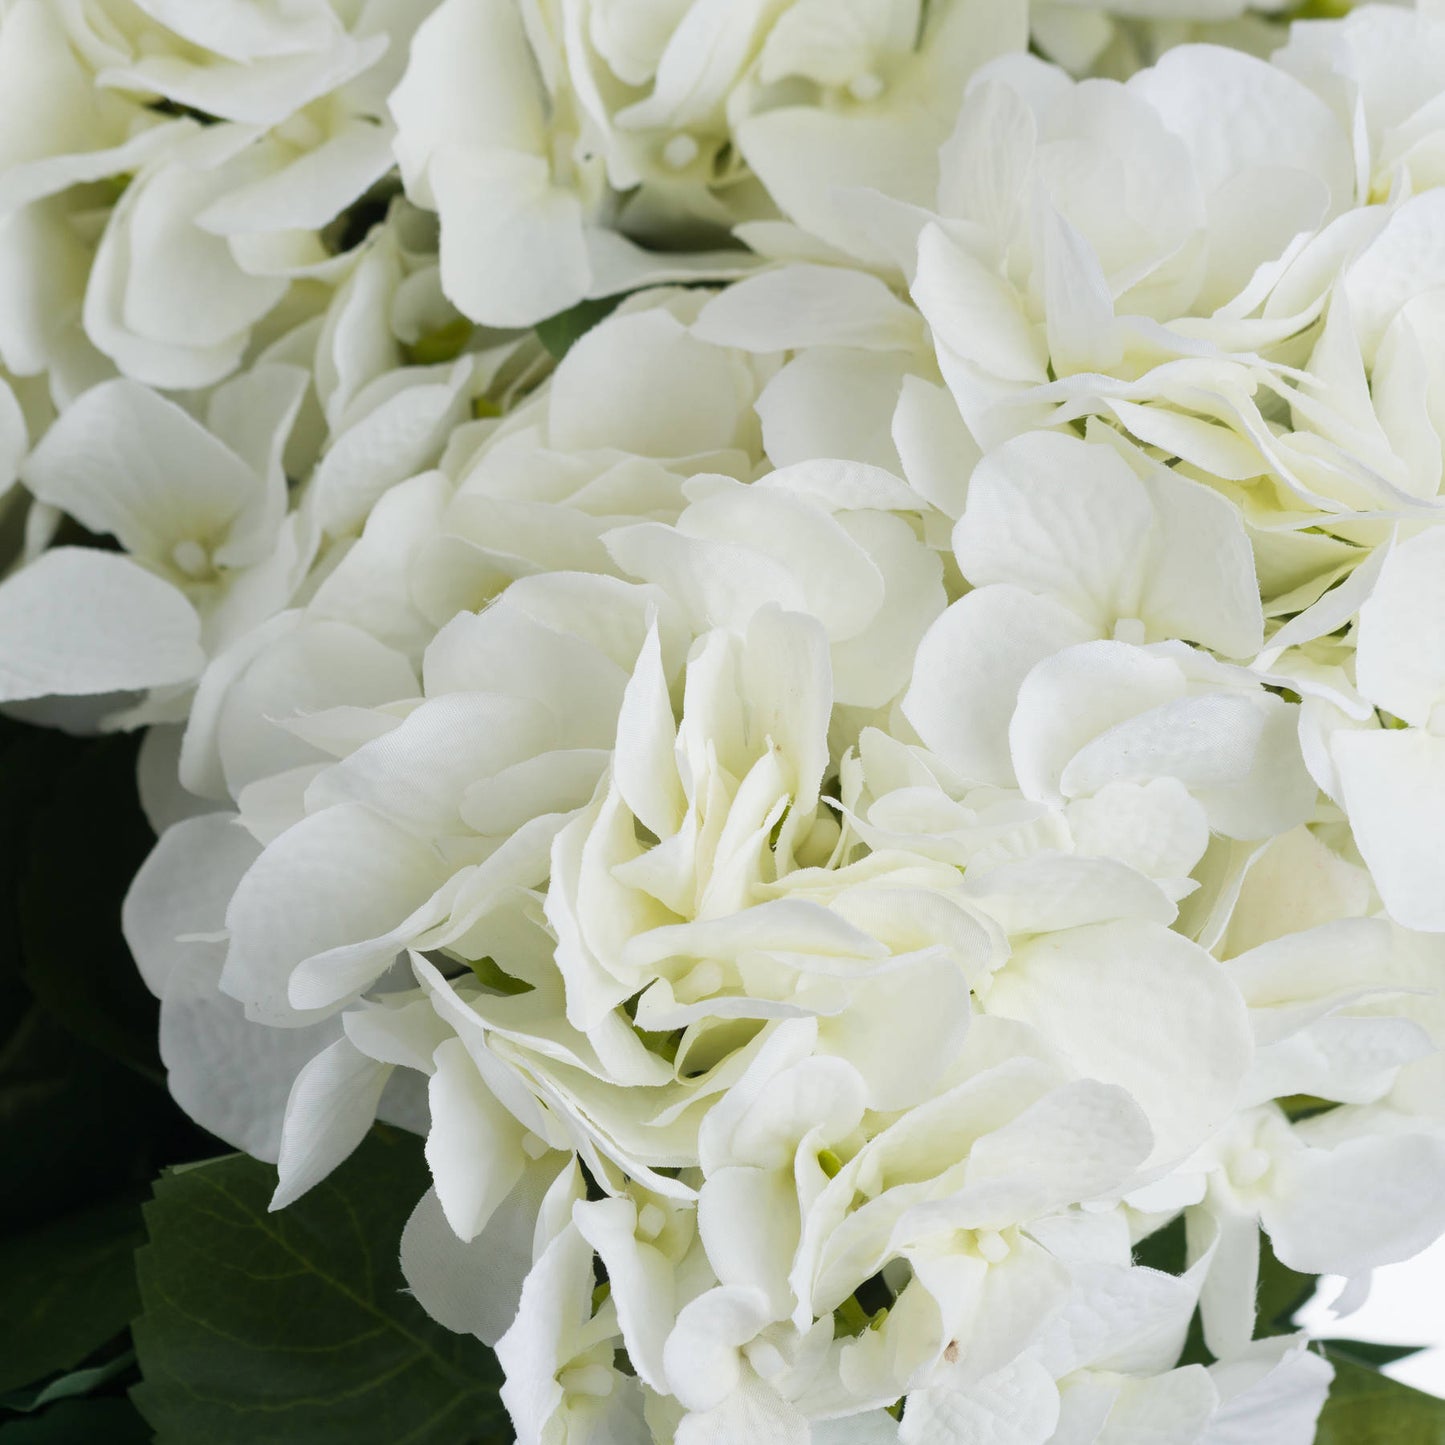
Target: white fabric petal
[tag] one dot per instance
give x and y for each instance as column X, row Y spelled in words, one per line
column 475, row 1145
column 968, row 669
column 1060, row 518
column 1017, row 1405
column 702, row 1355
column 642, row 382
column 974, row 313
column 1234, row 111
column 641, row 1280
column 125, row 461
column 513, row 249
column 937, row 451
column 1136, row 1005
column 1070, row 700
column 232, row 1076
column 1366, row 1202
column 1392, row 785
column 182, row 889
column 400, row 428
column 1274, row 1391
column 798, row 306
column 331, row 1106
column 339, row 879
column 1400, row 662
column 77, row 621
column 644, row 768
column 474, row 1288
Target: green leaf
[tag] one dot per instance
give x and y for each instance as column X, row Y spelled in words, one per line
column 79, row 1422
column 77, row 965
column 66, row 1289
column 561, row 332
column 1367, row 1408
column 1368, row 1353
column 1164, row 1249
column 29, row 759
column 1281, row 1292
column 75, row 1126
column 76, row 1382
column 293, row 1328
column 1304, row 1106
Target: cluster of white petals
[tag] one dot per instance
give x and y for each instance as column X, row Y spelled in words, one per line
column 909, row 759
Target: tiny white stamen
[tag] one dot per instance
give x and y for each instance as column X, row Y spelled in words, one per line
column 191, row 558
column 865, row 86
column 680, row 152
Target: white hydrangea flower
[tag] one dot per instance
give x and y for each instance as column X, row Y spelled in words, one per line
column 854, row 797
column 210, row 549
column 181, row 235
column 1054, row 258
column 1392, row 779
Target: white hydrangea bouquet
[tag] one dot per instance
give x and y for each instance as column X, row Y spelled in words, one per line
column 788, row 662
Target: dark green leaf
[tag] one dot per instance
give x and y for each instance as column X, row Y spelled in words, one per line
column 68, row 1386
column 85, row 843
column 1366, row 1352
column 79, row 1422
column 65, row 1289
column 29, row 760
column 1164, row 1249
column 1304, row 1106
column 75, row 1126
column 1281, row 1292
column 1367, row 1408
column 293, row 1327
column 560, row 332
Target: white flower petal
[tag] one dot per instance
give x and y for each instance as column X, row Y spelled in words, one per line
column 967, row 673
column 182, row 889
column 342, row 878
column 1400, row 664
column 331, row 1106
column 474, row 1288
column 800, row 306
column 77, row 621
column 475, row 1145
column 1393, row 788
column 1273, row 1391
column 232, row 1076
column 974, row 313
column 1139, row 1006
column 1366, row 1202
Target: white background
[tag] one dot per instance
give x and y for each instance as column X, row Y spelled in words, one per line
column 1406, row 1306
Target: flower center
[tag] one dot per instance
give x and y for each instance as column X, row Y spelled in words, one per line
column 680, row 151
column 865, row 86
column 191, row 558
